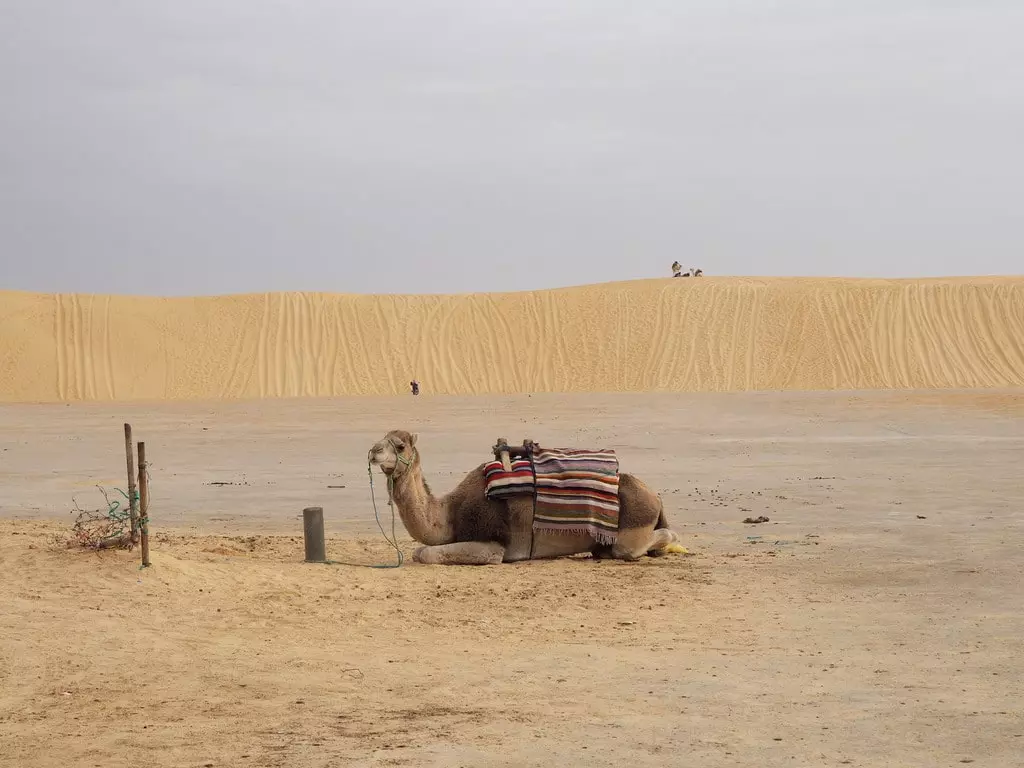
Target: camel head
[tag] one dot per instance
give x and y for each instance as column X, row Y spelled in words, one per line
column 398, row 447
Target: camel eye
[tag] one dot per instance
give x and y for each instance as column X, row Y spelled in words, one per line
column 400, row 446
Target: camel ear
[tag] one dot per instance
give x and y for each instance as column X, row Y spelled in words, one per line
column 412, row 438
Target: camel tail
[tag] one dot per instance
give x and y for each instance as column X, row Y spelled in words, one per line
column 662, row 520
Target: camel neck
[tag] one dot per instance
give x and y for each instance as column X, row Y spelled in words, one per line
column 424, row 516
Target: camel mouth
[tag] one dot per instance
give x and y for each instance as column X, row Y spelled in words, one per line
column 378, row 461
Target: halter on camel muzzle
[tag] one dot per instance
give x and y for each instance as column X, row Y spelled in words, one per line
column 399, row 459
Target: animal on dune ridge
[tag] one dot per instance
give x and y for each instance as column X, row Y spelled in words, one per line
column 465, row 527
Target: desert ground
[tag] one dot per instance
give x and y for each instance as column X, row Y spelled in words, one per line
column 877, row 619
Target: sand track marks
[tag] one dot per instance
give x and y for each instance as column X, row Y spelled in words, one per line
column 715, row 334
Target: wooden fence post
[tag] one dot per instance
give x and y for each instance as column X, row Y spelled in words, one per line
column 133, row 494
column 144, row 503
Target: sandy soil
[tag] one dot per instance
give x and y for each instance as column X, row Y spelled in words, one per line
column 876, row 620
column 704, row 335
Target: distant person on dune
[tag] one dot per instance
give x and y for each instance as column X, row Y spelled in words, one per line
column 415, row 386
column 677, row 271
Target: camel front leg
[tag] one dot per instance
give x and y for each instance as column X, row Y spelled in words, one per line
column 461, row 553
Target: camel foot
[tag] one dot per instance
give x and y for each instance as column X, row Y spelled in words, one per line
column 675, row 548
column 461, row 553
column 631, row 545
column 665, row 542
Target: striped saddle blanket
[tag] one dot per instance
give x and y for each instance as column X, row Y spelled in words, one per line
column 517, row 482
column 575, row 491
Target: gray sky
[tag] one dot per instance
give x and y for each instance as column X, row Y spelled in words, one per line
column 425, row 146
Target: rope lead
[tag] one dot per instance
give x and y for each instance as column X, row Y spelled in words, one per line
column 393, row 540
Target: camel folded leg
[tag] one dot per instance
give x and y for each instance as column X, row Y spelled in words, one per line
column 666, row 542
column 461, row 553
column 520, row 540
column 634, row 544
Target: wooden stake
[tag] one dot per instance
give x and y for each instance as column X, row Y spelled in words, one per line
column 144, row 503
column 506, row 463
column 313, row 534
column 133, row 494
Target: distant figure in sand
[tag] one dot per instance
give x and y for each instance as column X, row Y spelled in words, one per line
column 415, row 386
column 677, row 271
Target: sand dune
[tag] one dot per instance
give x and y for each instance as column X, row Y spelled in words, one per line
column 711, row 334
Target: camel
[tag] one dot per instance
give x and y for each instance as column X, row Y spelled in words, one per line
column 466, row 528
